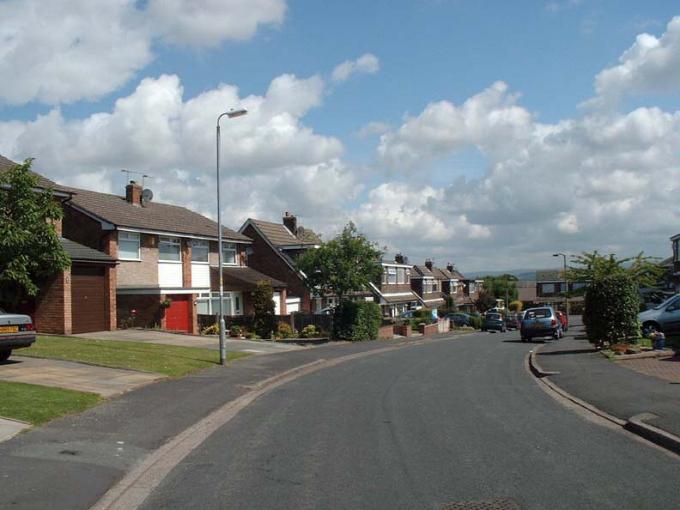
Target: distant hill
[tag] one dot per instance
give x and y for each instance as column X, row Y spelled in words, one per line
column 521, row 274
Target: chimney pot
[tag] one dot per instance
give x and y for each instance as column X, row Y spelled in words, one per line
column 449, row 267
column 428, row 264
column 399, row 258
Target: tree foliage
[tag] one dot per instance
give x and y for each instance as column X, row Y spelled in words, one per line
column 592, row 266
column 485, row 300
column 263, row 306
column 346, row 264
column 30, row 251
column 611, row 308
column 356, row 321
column 497, row 285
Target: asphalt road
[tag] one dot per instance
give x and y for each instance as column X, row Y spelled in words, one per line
column 443, row 423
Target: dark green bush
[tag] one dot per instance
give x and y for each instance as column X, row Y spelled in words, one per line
column 356, row 321
column 476, row 321
column 611, row 306
column 263, row 307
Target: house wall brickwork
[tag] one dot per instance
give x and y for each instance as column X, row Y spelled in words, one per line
column 267, row 261
column 53, row 305
column 143, row 273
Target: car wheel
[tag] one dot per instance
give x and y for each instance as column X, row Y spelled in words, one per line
column 5, row 354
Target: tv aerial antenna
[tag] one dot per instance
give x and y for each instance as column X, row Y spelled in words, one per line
column 129, row 172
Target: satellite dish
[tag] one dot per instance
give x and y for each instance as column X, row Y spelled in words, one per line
column 147, row 196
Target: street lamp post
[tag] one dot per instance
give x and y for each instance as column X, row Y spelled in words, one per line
column 223, row 348
column 566, row 282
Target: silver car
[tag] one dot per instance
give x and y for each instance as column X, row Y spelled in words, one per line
column 16, row 331
column 664, row 317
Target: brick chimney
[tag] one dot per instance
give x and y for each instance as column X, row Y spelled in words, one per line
column 428, row 264
column 133, row 193
column 449, row 267
column 290, row 221
column 399, row 258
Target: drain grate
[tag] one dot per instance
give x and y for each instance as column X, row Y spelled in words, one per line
column 487, row 504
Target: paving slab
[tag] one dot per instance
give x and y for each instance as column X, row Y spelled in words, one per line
column 666, row 367
column 106, row 382
column 203, row 342
column 10, row 428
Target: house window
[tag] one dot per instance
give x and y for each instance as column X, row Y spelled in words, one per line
column 401, row 275
column 169, row 249
column 199, row 251
column 128, row 245
column 391, row 275
column 548, row 288
column 208, row 303
column 676, row 250
column 229, row 254
column 408, row 276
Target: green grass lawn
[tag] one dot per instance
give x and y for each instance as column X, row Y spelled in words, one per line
column 39, row 404
column 170, row 360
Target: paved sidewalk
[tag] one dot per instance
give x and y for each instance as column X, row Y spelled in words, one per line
column 10, row 428
column 666, row 368
column 619, row 391
column 106, row 382
column 203, row 342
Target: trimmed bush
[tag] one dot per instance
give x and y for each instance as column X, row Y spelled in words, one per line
column 357, row 321
column 263, row 306
column 285, row 330
column 611, row 306
column 310, row 331
column 476, row 321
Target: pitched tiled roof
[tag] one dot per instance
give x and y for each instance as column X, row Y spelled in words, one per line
column 43, row 182
column 154, row 216
column 405, row 297
column 80, row 253
column 245, row 278
column 279, row 235
column 424, row 271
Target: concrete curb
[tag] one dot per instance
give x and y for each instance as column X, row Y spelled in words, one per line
column 634, row 424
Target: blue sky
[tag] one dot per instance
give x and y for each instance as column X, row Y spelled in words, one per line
column 458, row 176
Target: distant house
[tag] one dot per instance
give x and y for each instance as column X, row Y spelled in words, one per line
column 551, row 288
column 394, row 294
column 82, row 298
column 168, row 260
column 275, row 249
column 427, row 282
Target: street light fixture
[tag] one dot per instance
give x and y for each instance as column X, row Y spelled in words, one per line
column 566, row 282
column 223, row 348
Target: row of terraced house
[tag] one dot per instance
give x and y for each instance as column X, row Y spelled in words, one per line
column 141, row 263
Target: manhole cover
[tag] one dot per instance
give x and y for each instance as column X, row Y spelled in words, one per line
column 487, row 504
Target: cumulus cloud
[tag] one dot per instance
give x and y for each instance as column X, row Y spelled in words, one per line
column 365, row 64
column 271, row 161
column 650, row 65
column 62, row 52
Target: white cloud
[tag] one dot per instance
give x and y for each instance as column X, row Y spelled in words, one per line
column 372, row 129
column 209, row 22
column 62, row 52
column 651, row 64
column 365, row 64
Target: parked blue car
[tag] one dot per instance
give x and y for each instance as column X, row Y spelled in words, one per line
column 540, row 322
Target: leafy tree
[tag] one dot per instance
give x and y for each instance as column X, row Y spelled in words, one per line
column 263, row 305
column 515, row 306
column 497, row 286
column 485, row 300
column 592, row 266
column 611, row 309
column 344, row 265
column 30, row 251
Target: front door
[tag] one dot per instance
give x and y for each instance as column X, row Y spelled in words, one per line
column 177, row 317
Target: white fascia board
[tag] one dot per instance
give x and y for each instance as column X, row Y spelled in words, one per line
column 161, row 290
column 395, row 264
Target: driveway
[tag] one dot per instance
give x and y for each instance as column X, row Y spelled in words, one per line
column 106, row 382
column 204, row 342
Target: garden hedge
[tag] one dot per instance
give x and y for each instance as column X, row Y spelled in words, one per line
column 610, row 310
column 356, row 321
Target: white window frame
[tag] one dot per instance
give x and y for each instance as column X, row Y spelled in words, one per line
column 202, row 243
column 401, row 275
column 170, row 241
column 130, row 237
column 391, row 273
column 230, row 247
column 233, row 302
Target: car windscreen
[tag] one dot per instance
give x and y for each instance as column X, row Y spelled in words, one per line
column 539, row 313
column 667, row 302
column 493, row 316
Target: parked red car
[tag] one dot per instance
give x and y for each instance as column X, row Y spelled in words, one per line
column 564, row 320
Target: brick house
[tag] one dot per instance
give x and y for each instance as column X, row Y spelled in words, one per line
column 82, row 298
column 427, row 282
column 275, row 248
column 394, row 294
column 166, row 255
column 550, row 288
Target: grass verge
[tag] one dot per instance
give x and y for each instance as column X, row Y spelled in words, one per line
column 173, row 361
column 39, row 404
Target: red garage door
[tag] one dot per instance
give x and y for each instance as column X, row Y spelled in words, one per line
column 89, row 299
column 177, row 314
